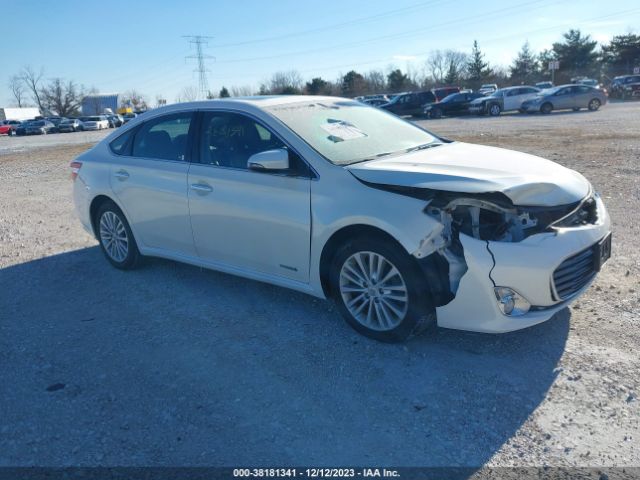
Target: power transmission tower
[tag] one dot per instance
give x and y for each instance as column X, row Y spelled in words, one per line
column 201, row 57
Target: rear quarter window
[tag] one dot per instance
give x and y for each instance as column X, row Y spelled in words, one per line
column 122, row 144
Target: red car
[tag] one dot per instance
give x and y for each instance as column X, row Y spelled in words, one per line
column 7, row 127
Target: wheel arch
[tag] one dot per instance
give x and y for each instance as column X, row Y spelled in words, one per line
column 339, row 238
column 96, row 203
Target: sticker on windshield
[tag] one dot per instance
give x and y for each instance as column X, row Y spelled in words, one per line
column 339, row 130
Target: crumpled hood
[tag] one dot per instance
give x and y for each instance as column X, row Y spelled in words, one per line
column 466, row 168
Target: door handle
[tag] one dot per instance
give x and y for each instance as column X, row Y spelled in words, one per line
column 121, row 175
column 201, row 187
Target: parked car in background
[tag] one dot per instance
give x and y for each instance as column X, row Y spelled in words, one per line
column 625, row 86
column 488, row 88
column 115, row 120
column 13, row 125
column 401, row 229
column 454, row 104
column 70, row 125
column 411, row 103
column 507, row 99
column 127, row 117
column 56, row 121
column 566, row 97
column 96, row 122
column 40, row 127
column 543, row 85
column 22, row 128
column 5, row 128
column 443, row 92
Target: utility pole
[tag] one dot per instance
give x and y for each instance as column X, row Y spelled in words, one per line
column 201, row 57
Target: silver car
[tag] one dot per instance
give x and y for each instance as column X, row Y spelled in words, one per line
column 566, row 97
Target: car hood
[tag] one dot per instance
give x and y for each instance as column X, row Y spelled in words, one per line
column 479, row 100
column 466, row 168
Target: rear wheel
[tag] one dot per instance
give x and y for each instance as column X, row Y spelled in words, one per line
column 116, row 238
column 594, row 104
column 546, row 108
column 436, row 113
column 380, row 290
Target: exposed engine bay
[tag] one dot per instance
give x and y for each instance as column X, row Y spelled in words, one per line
column 490, row 217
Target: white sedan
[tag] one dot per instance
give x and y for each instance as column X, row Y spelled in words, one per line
column 328, row 196
column 97, row 122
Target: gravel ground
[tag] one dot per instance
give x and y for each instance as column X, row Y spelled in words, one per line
column 175, row 365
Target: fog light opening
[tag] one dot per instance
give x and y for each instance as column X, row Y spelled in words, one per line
column 510, row 302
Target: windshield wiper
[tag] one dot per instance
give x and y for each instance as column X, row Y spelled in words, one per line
column 423, row 147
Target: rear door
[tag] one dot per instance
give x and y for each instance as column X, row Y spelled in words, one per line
column 149, row 178
column 253, row 221
column 512, row 99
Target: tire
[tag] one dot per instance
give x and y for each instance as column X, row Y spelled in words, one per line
column 380, row 313
column 436, row 113
column 494, row 109
column 546, row 108
column 594, row 105
column 123, row 253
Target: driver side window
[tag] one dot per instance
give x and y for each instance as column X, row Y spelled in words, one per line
column 230, row 139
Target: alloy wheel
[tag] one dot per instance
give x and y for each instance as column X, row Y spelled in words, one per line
column 114, row 236
column 373, row 291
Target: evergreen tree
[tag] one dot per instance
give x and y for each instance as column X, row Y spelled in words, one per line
column 224, row 93
column 622, row 54
column 397, row 81
column 477, row 69
column 577, row 55
column 525, row 66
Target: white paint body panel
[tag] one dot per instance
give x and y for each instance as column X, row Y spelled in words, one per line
column 252, row 223
column 463, row 167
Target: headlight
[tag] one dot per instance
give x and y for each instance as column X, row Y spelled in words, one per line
column 510, row 302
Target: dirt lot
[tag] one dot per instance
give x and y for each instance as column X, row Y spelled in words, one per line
column 174, row 365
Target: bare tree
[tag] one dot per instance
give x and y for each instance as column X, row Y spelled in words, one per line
column 135, row 99
column 376, row 81
column 243, row 91
column 16, row 85
column 188, row 94
column 61, row 98
column 445, row 65
column 32, row 81
column 284, row 83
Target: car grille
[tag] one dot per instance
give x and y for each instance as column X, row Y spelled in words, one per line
column 574, row 273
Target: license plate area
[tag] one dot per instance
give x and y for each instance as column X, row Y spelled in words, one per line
column 602, row 252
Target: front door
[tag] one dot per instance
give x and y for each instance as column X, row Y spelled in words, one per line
column 254, row 221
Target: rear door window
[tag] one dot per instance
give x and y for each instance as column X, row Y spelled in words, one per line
column 164, row 138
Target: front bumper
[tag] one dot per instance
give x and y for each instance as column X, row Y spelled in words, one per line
column 476, row 108
column 526, row 267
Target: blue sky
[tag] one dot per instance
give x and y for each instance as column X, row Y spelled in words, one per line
column 118, row 45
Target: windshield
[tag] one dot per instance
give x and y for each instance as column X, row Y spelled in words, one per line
column 345, row 131
column 94, row 119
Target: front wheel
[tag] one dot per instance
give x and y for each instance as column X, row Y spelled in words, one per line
column 380, row 290
column 594, row 105
column 546, row 108
column 115, row 237
column 436, row 113
column 494, row 110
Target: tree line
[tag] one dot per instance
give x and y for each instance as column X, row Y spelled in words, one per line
column 578, row 54
column 30, row 87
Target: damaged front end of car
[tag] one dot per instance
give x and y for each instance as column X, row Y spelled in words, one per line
column 485, row 220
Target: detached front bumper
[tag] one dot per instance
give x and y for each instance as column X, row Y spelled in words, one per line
column 476, row 109
column 526, row 267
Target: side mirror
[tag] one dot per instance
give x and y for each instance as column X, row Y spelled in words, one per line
column 269, row 160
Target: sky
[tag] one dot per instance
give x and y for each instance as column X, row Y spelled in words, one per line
column 120, row 45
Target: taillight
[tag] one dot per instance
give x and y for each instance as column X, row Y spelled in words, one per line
column 75, row 169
